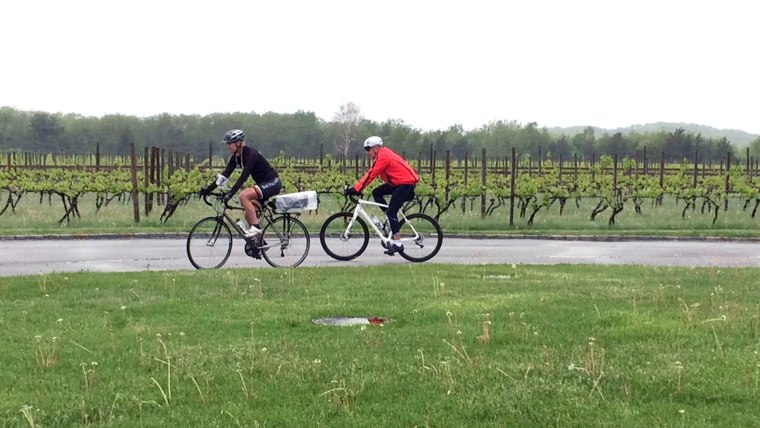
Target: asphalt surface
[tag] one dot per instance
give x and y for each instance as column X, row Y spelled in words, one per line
column 42, row 256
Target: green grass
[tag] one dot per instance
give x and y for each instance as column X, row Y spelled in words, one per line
column 33, row 217
column 485, row 345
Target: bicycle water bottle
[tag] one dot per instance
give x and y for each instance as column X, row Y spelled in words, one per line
column 243, row 224
column 377, row 222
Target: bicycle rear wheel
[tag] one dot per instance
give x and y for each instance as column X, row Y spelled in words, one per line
column 209, row 244
column 285, row 242
column 421, row 236
column 342, row 243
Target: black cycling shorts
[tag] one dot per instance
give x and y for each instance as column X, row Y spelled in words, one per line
column 270, row 188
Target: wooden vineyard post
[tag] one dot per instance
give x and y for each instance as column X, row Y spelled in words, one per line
column 512, row 178
column 135, row 201
column 483, row 182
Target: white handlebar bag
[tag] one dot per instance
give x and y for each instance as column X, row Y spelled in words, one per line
column 296, row 202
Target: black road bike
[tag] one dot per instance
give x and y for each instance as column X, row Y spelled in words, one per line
column 284, row 241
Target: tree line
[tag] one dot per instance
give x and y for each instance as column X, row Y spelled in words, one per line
column 307, row 135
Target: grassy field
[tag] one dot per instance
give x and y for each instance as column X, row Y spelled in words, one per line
column 485, row 345
column 34, row 218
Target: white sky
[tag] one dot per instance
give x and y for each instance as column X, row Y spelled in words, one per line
column 432, row 64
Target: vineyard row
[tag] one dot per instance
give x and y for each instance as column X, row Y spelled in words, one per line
column 613, row 183
column 155, row 158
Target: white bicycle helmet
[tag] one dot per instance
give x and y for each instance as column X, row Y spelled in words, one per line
column 372, row 142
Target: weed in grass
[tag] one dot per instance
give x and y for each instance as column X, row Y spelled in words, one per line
column 446, row 369
column 716, row 298
column 167, row 394
column 143, row 357
column 140, row 404
column 593, row 367
column 26, row 410
column 256, row 289
column 425, row 366
column 459, row 348
column 594, row 359
column 244, row 386
column 80, row 346
column 290, row 273
column 88, row 371
column 234, row 418
column 520, row 328
column 485, row 336
column 679, row 376
column 436, row 286
column 717, row 342
column 171, row 287
column 439, row 288
column 198, row 388
column 46, row 354
column 689, row 313
column 207, row 378
column 234, row 280
column 598, row 312
column 42, row 283
column 342, row 397
column 113, row 406
column 668, row 291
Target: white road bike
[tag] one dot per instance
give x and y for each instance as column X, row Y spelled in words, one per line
column 345, row 235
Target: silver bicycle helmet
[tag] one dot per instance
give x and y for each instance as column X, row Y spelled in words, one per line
column 233, row 136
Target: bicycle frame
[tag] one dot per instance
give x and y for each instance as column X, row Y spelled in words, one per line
column 264, row 214
column 359, row 211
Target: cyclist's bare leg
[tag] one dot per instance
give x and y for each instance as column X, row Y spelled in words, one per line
column 249, row 199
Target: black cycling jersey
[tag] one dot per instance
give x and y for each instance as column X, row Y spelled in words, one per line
column 253, row 164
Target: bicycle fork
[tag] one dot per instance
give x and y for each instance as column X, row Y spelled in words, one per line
column 211, row 242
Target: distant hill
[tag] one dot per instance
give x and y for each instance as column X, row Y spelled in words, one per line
column 735, row 136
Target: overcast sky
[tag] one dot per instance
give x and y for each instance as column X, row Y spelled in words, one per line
column 431, row 64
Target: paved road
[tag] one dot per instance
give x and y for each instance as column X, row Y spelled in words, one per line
column 31, row 257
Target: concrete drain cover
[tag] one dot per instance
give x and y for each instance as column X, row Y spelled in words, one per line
column 348, row 321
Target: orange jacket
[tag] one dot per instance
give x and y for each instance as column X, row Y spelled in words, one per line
column 391, row 168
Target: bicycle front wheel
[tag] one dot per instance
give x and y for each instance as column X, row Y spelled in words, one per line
column 209, row 244
column 421, row 236
column 285, row 242
column 340, row 242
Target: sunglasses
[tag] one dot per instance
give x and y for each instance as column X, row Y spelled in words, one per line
column 366, row 149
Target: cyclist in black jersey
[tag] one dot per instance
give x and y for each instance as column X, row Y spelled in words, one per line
column 266, row 180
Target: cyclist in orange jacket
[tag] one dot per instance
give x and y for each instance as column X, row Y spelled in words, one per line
column 400, row 180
